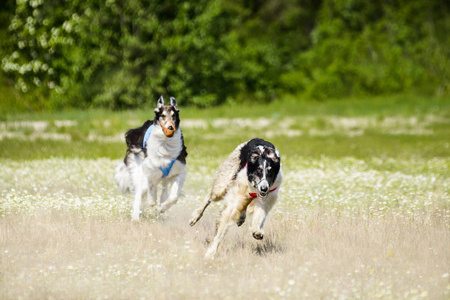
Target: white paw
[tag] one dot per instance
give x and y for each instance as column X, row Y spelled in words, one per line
column 210, row 254
column 135, row 216
column 163, row 207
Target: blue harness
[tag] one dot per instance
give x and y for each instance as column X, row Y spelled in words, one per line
column 165, row 171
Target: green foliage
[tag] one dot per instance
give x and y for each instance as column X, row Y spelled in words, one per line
column 363, row 47
column 124, row 54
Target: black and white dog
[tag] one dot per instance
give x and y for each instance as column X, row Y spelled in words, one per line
column 156, row 154
column 249, row 181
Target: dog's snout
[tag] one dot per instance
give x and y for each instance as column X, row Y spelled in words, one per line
column 264, row 189
column 170, row 127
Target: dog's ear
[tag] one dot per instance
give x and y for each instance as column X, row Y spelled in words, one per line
column 254, row 156
column 173, row 103
column 160, row 104
column 273, row 154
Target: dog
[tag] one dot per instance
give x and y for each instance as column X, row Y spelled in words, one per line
column 249, row 181
column 155, row 154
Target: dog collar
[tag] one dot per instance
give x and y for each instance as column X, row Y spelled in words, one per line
column 254, row 195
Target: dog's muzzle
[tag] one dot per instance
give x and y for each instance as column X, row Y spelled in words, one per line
column 263, row 188
column 168, row 128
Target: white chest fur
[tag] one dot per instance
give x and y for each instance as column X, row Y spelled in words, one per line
column 161, row 150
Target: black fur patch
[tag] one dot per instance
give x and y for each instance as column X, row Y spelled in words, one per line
column 183, row 153
column 135, row 137
column 252, row 156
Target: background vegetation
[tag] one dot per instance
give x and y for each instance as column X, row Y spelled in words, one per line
column 123, row 54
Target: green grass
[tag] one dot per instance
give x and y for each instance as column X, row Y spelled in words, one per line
column 398, row 126
column 383, row 106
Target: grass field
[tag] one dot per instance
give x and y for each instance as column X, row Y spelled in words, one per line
column 364, row 210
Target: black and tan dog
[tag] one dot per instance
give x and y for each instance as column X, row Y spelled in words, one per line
column 249, row 181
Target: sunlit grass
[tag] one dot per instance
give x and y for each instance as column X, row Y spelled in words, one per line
column 341, row 228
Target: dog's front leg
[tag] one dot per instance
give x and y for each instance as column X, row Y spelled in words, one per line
column 175, row 191
column 140, row 192
column 141, row 189
column 137, row 205
column 152, row 193
column 262, row 206
column 164, row 192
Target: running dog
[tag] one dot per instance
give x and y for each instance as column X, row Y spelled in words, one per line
column 249, row 181
column 156, row 154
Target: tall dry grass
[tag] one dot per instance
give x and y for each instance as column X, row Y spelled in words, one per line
column 341, row 229
column 63, row 255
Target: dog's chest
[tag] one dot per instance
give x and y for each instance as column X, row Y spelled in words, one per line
column 161, row 152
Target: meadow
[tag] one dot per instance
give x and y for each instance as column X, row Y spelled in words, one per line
column 363, row 212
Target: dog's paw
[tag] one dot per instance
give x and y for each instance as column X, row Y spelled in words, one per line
column 161, row 209
column 195, row 217
column 193, row 221
column 135, row 216
column 210, row 254
column 258, row 234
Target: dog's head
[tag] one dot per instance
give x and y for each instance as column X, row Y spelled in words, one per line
column 167, row 116
column 263, row 166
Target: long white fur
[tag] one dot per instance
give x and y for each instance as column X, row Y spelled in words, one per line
column 142, row 175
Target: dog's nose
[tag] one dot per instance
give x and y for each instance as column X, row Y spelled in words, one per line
column 170, row 127
column 264, row 189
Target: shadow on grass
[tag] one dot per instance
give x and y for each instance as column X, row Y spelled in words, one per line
column 266, row 247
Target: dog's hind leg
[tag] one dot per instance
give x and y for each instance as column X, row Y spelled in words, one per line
column 236, row 206
column 215, row 195
column 198, row 213
column 175, row 192
column 224, row 223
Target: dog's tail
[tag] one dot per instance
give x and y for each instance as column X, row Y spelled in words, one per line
column 123, row 179
column 123, row 171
